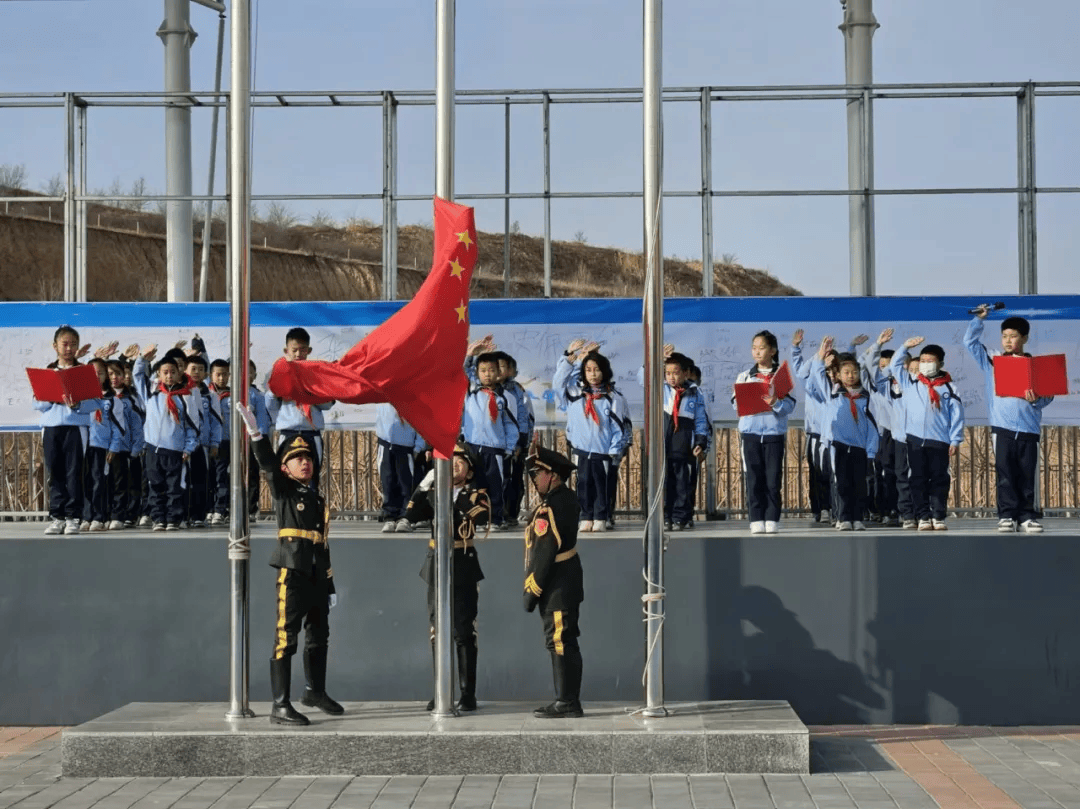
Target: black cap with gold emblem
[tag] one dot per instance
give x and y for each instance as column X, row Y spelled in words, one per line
column 461, row 451
column 294, row 447
column 544, row 458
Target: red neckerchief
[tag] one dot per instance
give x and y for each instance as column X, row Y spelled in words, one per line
column 935, row 397
column 590, row 408
column 170, row 399
column 675, row 408
column 223, row 393
column 493, row 406
column 852, row 398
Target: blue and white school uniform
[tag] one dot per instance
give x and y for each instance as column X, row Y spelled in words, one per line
column 763, row 437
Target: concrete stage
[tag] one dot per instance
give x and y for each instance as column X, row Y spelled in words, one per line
column 171, row 740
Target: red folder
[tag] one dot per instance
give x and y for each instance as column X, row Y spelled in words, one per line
column 749, row 399
column 1046, row 375
column 50, row 384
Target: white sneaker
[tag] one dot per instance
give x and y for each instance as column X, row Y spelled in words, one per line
column 389, row 527
column 214, row 518
column 939, row 525
column 403, row 526
column 757, row 527
column 584, row 525
column 56, row 527
column 772, row 527
column 1032, row 527
column 145, row 521
column 72, row 527
column 844, row 526
column 910, row 525
column 858, row 526
column 85, row 525
column 598, row 526
column 116, row 525
column 159, row 526
column 1006, row 526
column 926, row 525
column 826, row 517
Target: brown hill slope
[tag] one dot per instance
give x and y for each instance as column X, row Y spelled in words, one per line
column 126, row 261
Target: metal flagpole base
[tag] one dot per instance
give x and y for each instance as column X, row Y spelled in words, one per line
column 452, row 713
column 243, row 713
column 656, row 712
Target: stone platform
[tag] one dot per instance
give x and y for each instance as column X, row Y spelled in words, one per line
column 168, row 739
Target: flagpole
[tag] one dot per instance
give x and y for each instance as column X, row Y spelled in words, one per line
column 444, row 187
column 239, row 340
column 653, row 325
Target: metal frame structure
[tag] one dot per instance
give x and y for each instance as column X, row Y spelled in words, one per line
column 77, row 105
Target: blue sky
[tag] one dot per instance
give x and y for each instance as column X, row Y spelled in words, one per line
column 925, row 245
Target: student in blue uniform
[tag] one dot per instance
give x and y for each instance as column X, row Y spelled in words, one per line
column 686, row 439
column 398, row 444
column 171, row 438
column 514, row 488
column 489, row 430
column 1015, row 425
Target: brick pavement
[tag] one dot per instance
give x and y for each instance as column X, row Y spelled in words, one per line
column 856, row 767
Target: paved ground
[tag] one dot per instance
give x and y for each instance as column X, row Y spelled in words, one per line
column 853, row 768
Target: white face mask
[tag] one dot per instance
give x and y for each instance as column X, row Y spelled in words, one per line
column 928, row 368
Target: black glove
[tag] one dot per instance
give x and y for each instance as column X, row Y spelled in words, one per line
column 531, row 601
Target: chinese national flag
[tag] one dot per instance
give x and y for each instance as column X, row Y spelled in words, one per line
column 415, row 359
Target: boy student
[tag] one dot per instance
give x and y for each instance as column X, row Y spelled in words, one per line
column 206, row 413
column 292, row 419
column 882, row 488
column 935, row 430
column 686, row 438
column 514, row 490
column 171, row 438
column 397, row 442
column 489, row 430
column 1014, row 423
column 850, row 428
column 901, row 465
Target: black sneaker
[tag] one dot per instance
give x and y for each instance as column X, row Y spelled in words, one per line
column 610, row 525
column 687, row 526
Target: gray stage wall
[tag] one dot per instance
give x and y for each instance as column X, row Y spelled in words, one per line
column 850, row 629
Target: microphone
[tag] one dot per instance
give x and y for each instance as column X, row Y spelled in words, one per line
column 993, row 307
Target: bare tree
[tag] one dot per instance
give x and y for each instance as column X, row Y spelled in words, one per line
column 138, row 189
column 323, row 219
column 55, row 186
column 12, row 176
column 279, row 215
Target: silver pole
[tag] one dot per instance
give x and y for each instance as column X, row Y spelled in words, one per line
column 858, row 29
column 81, row 209
column 239, row 160
column 706, row 193
column 444, row 187
column 1025, row 168
column 547, row 195
column 70, row 234
column 208, row 221
column 389, row 225
column 177, row 35
column 652, row 322
column 506, row 201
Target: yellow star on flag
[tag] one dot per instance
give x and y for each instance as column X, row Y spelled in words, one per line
column 461, row 310
column 455, row 268
column 464, row 238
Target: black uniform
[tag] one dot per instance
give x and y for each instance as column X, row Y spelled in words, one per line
column 305, row 580
column 471, row 510
column 554, row 582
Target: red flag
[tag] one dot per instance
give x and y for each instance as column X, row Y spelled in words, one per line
column 415, row 359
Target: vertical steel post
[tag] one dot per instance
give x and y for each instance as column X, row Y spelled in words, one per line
column 70, row 230
column 652, row 322
column 80, row 208
column 177, row 35
column 389, row 224
column 208, row 220
column 444, row 187
column 858, row 30
column 706, row 193
column 240, row 271
column 1025, row 169
column 506, row 202
column 547, row 195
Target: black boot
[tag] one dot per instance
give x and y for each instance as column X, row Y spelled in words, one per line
column 567, row 671
column 315, row 695
column 466, row 656
column 283, row 712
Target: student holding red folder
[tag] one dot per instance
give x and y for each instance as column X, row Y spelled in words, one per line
column 1015, row 424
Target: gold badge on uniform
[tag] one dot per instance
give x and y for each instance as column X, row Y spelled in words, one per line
column 541, row 527
column 299, row 506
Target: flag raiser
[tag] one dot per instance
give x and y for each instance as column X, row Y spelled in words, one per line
column 415, row 359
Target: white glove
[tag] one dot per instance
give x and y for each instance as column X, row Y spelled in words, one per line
column 333, row 600
column 428, row 481
column 247, row 415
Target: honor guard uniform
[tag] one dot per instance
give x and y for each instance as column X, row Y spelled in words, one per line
column 553, row 575
column 305, row 581
column 472, row 509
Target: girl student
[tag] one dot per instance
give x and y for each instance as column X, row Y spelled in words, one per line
column 764, row 437
column 597, row 427
column 64, row 433
column 128, row 418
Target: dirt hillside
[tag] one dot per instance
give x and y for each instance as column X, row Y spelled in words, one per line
column 126, row 261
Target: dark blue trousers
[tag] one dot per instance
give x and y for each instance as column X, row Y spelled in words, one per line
column 1016, row 457
column 119, row 486
column 678, row 493
column 849, row 474
column 930, row 478
column 139, row 492
column 97, row 486
column 63, row 451
column 491, row 472
column 514, row 485
column 902, row 466
column 220, row 478
column 818, row 478
column 884, row 466
column 396, row 474
column 198, row 484
column 763, row 468
column 593, row 471
column 164, row 470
